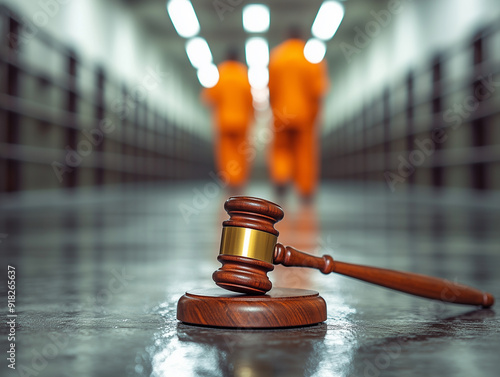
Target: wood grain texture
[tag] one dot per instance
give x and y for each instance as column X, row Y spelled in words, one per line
column 281, row 307
column 242, row 274
column 408, row 282
column 417, row 284
column 288, row 256
column 253, row 213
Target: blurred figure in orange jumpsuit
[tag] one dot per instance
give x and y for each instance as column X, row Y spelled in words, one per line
column 296, row 88
column 232, row 104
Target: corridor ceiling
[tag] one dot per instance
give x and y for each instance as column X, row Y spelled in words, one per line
column 221, row 25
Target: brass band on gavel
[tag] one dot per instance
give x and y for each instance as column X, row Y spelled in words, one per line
column 249, row 243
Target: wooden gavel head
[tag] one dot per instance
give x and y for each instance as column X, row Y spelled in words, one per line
column 249, row 249
column 248, row 245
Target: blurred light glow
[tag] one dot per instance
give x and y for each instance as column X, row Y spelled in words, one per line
column 315, row 50
column 208, row 75
column 328, row 19
column 256, row 18
column 183, row 17
column 198, row 52
column 260, row 98
column 261, row 94
column 258, row 77
column 257, row 52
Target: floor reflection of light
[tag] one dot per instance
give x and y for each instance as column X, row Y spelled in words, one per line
column 172, row 357
column 176, row 359
column 244, row 371
column 340, row 342
column 192, row 352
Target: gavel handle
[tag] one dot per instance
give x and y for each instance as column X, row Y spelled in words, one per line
column 415, row 284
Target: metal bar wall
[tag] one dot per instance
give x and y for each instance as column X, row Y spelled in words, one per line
column 63, row 128
column 437, row 127
column 11, row 80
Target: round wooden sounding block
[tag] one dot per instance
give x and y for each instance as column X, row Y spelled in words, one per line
column 280, row 307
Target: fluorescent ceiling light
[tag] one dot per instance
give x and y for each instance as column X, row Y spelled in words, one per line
column 257, row 52
column 198, row 52
column 258, row 77
column 208, row 75
column 256, row 18
column 315, row 50
column 183, row 17
column 327, row 20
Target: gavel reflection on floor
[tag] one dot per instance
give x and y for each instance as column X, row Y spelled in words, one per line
column 249, row 250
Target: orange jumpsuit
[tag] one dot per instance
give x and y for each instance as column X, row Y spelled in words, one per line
column 231, row 100
column 296, row 88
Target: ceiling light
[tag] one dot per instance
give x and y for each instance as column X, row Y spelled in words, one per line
column 258, row 77
column 327, row 20
column 257, row 52
column 198, row 52
column 315, row 50
column 256, row 18
column 183, row 17
column 208, row 75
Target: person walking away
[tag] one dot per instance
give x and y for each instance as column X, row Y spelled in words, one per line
column 232, row 105
column 296, row 89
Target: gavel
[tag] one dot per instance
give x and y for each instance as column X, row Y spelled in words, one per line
column 249, row 250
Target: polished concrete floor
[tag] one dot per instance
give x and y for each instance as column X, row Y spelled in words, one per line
column 99, row 273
